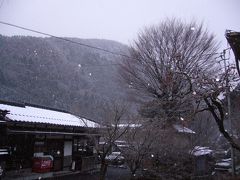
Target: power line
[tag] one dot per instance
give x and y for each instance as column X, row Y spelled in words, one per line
column 79, row 65
column 79, row 43
column 65, row 39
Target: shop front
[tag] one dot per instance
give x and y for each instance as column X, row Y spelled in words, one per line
column 84, row 153
column 44, row 140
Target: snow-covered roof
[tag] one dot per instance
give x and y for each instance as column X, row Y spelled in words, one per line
column 200, row 151
column 130, row 125
column 182, row 129
column 119, row 141
column 224, row 162
column 102, row 142
column 32, row 114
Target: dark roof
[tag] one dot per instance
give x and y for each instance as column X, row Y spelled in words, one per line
column 233, row 39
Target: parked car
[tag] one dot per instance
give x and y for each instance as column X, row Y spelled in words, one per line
column 115, row 158
column 4, row 152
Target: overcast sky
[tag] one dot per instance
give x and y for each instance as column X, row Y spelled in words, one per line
column 118, row 20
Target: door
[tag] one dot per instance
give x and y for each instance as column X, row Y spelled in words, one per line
column 55, row 149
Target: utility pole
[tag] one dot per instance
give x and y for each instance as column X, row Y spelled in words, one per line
column 229, row 112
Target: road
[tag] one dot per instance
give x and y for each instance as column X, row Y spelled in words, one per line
column 113, row 173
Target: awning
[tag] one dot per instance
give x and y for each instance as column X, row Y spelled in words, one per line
column 49, row 133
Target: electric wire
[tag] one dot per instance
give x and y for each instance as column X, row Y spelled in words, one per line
column 81, row 44
column 78, row 43
column 65, row 39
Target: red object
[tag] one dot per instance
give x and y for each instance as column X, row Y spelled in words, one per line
column 42, row 164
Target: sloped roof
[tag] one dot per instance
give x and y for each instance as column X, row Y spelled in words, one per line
column 34, row 114
column 201, row 151
column 182, row 129
column 129, row 125
column 233, row 39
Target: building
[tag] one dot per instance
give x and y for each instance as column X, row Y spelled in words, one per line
column 30, row 131
column 233, row 39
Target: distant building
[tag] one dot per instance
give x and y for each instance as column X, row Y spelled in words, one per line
column 173, row 142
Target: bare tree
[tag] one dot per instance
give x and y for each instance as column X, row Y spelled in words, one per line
column 139, row 142
column 163, row 152
column 164, row 60
column 171, row 154
column 173, row 65
column 112, row 131
column 206, row 130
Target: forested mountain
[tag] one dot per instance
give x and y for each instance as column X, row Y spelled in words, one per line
column 60, row 74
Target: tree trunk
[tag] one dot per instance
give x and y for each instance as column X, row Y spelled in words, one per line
column 219, row 121
column 103, row 170
column 133, row 174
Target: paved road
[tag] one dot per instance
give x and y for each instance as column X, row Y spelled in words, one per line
column 113, row 173
column 117, row 173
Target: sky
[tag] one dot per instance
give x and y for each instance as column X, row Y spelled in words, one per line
column 118, row 20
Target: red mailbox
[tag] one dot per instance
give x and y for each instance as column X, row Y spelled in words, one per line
column 42, row 164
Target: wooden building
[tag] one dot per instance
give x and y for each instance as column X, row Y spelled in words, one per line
column 30, row 131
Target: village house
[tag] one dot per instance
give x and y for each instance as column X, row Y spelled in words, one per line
column 174, row 141
column 32, row 135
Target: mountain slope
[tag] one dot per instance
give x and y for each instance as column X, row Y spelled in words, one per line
column 60, row 74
